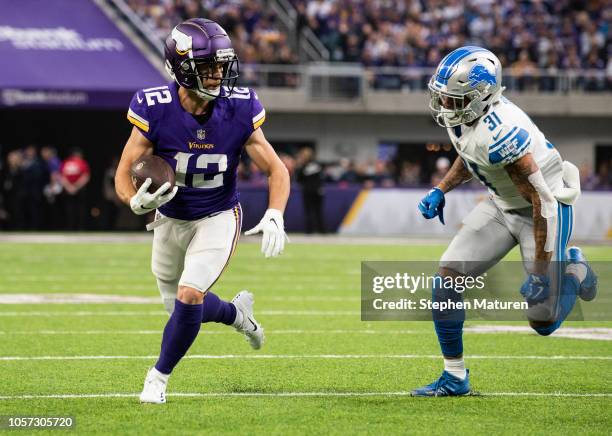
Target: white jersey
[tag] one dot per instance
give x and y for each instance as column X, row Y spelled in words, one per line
column 501, row 136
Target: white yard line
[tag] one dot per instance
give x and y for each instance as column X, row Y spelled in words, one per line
column 207, row 332
column 85, row 298
column 67, row 313
column 296, row 238
column 304, row 356
column 298, row 395
column 146, row 237
column 589, row 333
column 576, row 334
column 74, row 299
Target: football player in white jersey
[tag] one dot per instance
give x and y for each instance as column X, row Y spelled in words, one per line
column 532, row 191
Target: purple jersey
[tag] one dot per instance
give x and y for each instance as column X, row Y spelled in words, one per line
column 204, row 155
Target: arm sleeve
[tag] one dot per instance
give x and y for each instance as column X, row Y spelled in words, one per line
column 138, row 115
column 509, row 144
column 257, row 111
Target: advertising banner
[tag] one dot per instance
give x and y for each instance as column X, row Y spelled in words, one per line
column 67, row 53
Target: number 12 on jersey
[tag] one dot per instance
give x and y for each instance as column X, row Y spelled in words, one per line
column 202, row 162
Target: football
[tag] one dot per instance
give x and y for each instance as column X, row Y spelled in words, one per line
column 154, row 167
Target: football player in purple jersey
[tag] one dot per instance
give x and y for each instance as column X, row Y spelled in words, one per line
column 199, row 123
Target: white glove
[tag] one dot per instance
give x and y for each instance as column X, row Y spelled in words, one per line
column 274, row 236
column 143, row 202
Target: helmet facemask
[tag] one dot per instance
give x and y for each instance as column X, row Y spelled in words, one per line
column 200, row 75
column 450, row 110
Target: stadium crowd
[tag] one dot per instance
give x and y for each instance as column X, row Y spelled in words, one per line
column 534, row 40
column 39, row 190
column 254, row 30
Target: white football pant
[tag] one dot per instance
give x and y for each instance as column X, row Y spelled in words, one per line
column 193, row 253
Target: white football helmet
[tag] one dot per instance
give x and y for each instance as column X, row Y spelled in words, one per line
column 465, row 83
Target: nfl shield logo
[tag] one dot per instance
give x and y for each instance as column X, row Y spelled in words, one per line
column 201, row 134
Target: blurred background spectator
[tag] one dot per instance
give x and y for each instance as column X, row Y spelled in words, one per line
column 53, row 189
column 34, row 178
column 442, row 167
column 309, row 174
column 12, row 187
column 75, row 176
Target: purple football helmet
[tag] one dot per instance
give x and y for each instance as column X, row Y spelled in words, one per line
column 198, row 50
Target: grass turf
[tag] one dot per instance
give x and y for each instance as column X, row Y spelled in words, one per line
column 308, row 281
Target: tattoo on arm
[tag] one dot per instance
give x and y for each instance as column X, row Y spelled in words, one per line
column 519, row 172
column 457, row 174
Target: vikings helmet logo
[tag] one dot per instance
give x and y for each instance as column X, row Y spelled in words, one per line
column 183, row 42
column 479, row 74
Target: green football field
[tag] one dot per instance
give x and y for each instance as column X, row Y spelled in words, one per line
column 321, row 371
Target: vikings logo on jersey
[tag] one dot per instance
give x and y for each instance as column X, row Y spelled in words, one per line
column 479, row 74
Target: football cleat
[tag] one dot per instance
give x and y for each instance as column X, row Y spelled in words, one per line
column 446, row 386
column 251, row 329
column 154, row 390
column 588, row 287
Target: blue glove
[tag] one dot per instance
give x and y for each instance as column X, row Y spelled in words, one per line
column 536, row 288
column 432, row 204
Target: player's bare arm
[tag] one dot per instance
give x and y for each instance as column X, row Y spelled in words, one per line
column 524, row 174
column 272, row 224
column 136, row 146
column 432, row 204
column 141, row 201
column 259, row 149
column 457, row 174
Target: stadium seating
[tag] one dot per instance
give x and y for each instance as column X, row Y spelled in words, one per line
column 545, row 46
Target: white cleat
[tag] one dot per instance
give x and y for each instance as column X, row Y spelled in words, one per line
column 154, row 390
column 251, row 329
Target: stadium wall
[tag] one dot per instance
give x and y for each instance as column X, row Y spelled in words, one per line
column 392, row 212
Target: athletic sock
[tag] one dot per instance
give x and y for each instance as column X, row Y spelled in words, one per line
column 455, row 367
column 216, row 310
column 239, row 319
column 179, row 333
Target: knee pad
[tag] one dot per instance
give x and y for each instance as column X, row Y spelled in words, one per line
column 448, row 323
column 168, row 290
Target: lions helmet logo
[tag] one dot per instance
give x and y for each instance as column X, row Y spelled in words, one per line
column 479, row 74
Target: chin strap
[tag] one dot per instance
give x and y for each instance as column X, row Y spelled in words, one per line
column 208, row 95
